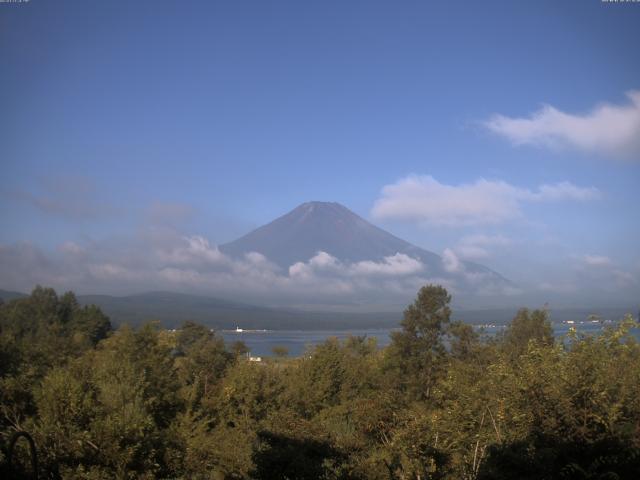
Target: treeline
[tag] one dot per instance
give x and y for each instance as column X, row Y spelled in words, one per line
column 440, row 402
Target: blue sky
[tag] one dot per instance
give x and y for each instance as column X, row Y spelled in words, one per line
column 211, row 118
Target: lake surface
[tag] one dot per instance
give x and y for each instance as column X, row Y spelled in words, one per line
column 261, row 343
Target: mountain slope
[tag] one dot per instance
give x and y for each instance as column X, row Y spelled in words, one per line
column 320, row 226
column 332, row 228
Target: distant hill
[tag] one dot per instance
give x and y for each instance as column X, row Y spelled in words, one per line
column 172, row 309
column 332, row 228
column 7, row 295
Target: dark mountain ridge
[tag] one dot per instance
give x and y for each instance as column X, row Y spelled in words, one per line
column 8, row 295
column 172, row 309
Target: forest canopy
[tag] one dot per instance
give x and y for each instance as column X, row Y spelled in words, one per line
column 440, row 402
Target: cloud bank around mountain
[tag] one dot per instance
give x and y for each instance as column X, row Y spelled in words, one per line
column 422, row 198
column 610, row 130
column 165, row 260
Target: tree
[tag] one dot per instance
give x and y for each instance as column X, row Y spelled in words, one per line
column 203, row 363
column 91, row 323
column 239, row 348
column 417, row 353
column 525, row 327
column 464, row 340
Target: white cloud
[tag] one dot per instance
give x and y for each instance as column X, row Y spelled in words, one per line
column 192, row 264
column 451, row 262
column 192, row 251
column 482, row 283
column 603, row 272
column 607, row 129
column 424, row 199
column 113, row 271
column 597, row 260
column 259, row 260
column 321, row 262
column 393, row 265
column 477, row 246
column 398, row 264
column 563, row 191
column 324, row 261
column 164, row 260
column 71, row 248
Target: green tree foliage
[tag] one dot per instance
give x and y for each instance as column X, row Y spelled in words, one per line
column 440, row 402
column 578, row 410
column 200, row 361
column 417, row 353
column 527, row 327
column 37, row 333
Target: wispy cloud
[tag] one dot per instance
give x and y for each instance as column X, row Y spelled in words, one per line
column 607, row 129
column 69, row 197
column 602, row 270
column 451, row 262
column 191, row 263
column 169, row 261
column 597, row 260
column 192, row 252
column 169, row 213
column 481, row 283
column 424, row 199
column 478, row 246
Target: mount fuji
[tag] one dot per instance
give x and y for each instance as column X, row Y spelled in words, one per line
column 332, row 228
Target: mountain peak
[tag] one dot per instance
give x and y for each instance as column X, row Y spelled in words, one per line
column 318, row 226
column 323, row 212
column 317, row 206
column 330, row 227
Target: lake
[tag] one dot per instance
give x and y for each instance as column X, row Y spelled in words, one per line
column 260, row 343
